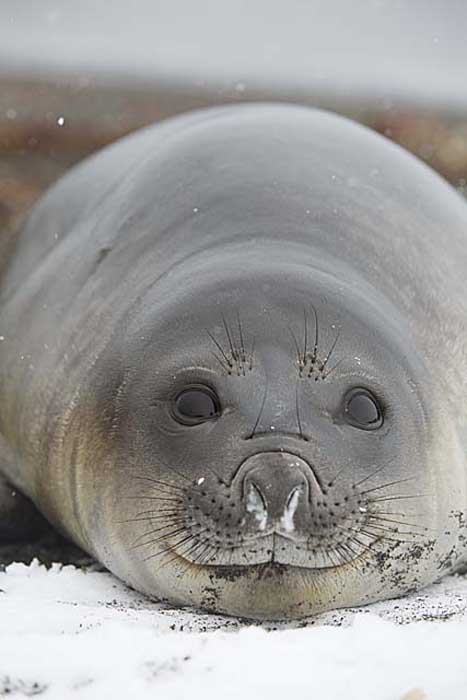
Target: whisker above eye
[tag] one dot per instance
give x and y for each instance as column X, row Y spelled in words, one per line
column 315, row 349
column 305, row 336
column 297, row 411
column 300, row 359
column 232, row 344
column 228, row 363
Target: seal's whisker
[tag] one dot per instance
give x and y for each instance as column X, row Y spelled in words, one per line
column 159, row 512
column 388, row 483
column 373, row 537
column 166, row 536
column 297, row 410
column 230, row 338
column 315, row 348
column 330, row 553
column 154, row 498
column 331, row 369
column 171, row 548
column 220, row 361
column 343, row 554
column 341, row 559
column 378, row 539
column 189, row 564
column 252, row 353
column 206, row 555
column 334, row 478
column 202, row 546
column 165, row 563
column 356, row 553
column 305, row 335
column 393, row 530
column 350, row 559
column 182, row 526
column 333, row 346
column 192, row 543
column 401, row 515
column 260, row 412
column 375, row 516
column 347, row 529
column 242, row 343
column 369, row 476
column 228, row 361
column 377, row 535
column 399, row 498
column 367, row 545
column 162, row 483
column 147, row 518
column 300, row 360
column 185, row 552
column 346, row 557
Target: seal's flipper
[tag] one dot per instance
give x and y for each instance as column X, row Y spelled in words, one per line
column 19, row 518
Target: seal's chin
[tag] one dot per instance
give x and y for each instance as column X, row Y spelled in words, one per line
column 270, row 590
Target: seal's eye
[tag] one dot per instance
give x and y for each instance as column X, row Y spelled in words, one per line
column 362, row 410
column 195, row 405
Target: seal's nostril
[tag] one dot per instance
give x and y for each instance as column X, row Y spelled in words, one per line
column 256, row 504
column 287, row 520
column 255, row 494
column 294, row 496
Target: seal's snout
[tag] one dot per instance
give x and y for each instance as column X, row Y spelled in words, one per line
column 276, row 490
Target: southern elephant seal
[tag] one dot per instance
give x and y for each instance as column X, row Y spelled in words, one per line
column 233, row 362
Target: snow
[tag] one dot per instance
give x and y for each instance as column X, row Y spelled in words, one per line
column 67, row 632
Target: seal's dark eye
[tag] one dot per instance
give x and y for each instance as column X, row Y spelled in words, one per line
column 196, row 405
column 362, row 409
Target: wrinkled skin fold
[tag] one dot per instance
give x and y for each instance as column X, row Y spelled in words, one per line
column 233, row 363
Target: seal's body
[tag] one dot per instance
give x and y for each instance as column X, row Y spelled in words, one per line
column 234, row 362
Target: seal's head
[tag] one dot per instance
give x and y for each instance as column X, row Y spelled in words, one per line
column 267, row 436
column 259, row 431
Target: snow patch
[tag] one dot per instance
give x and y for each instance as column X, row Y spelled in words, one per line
column 69, row 633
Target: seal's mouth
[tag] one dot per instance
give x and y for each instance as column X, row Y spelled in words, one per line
column 271, row 568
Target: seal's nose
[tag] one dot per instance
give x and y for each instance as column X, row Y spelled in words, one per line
column 276, row 489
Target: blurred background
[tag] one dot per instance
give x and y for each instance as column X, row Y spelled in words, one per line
column 76, row 75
